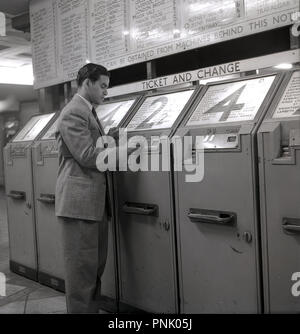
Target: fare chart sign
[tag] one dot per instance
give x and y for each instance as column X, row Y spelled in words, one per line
column 68, row 33
column 289, row 105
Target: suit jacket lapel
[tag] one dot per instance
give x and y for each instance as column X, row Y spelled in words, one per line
column 98, row 122
column 78, row 100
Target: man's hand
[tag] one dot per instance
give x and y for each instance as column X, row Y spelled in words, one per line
column 114, row 132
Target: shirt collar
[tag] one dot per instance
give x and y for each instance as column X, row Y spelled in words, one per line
column 86, row 101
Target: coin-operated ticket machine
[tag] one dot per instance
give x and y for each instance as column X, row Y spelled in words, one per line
column 217, row 215
column 48, row 230
column 20, row 197
column 279, row 168
column 45, row 167
column 113, row 114
column 145, row 224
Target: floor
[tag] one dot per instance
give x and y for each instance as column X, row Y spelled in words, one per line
column 20, row 295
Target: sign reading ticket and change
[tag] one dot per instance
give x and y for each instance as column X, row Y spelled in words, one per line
column 231, row 102
column 68, row 33
column 289, row 105
column 159, row 112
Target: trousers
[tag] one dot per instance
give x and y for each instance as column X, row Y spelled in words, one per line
column 85, row 252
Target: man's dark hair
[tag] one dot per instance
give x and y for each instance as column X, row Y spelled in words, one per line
column 91, row 71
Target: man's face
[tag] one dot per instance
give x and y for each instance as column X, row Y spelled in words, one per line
column 98, row 89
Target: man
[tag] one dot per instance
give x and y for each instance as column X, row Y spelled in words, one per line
column 81, row 192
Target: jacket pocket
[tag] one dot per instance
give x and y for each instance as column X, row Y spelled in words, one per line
column 83, row 198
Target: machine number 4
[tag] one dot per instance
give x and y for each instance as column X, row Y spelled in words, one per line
column 228, row 105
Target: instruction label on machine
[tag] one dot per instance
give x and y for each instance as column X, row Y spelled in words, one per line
column 159, row 112
column 231, row 102
column 289, row 105
column 111, row 114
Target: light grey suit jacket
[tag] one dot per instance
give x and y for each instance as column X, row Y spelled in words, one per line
column 80, row 187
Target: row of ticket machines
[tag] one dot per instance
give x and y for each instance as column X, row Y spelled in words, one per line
column 227, row 242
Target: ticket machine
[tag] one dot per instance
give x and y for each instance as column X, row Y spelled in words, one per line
column 48, row 230
column 217, row 214
column 145, row 222
column 20, row 197
column 279, row 171
column 114, row 113
column 45, row 166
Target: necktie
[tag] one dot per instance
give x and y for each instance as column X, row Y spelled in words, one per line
column 107, row 199
column 97, row 120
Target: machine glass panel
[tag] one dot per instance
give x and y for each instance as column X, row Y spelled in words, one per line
column 289, row 105
column 33, row 127
column 160, row 111
column 50, row 134
column 111, row 114
column 231, row 102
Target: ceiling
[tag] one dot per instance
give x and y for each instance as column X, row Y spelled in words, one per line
column 15, row 49
column 14, row 7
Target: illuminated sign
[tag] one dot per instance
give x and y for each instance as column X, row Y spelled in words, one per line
column 231, row 102
column 160, row 111
column 289, row 105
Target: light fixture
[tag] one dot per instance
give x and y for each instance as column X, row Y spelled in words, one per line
column 22, row 75
column 284, row 66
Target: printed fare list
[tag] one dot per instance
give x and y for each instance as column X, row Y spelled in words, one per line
column 109, row 29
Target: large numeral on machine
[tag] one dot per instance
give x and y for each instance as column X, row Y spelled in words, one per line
column 228, row 105
column 161, row 103
column 108, row 119
column 297, row 112
column 296, row 286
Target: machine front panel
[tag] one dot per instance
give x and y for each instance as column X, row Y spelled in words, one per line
column 48, row 228
column 20, row 193
column 146, row 251
column 145, row 218
column 20, row 210
column 218, row 264
column 279, row 149
column 217, row 216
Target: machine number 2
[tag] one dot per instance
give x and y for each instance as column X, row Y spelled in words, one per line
column 295, row 290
